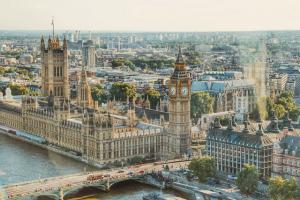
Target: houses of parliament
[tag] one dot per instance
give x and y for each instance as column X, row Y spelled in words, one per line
column 99, row 134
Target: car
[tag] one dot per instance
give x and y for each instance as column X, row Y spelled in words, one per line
column 141, row 172
column 231, row 177
column 106, row 175
column 120, row 171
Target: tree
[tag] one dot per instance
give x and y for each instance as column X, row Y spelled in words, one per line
column 122, row 62
column 2, row 70
column 247, row 179
column 281, row 189
column 98, row 94
column 203, row 168
column 285, row 102
column 279, row 110
column 153, row 96
column 294, row 114
column 136, row 160
column 122, row 90
column 201, row 103
column 17, row 89
column 152, row 63
column 224, row 121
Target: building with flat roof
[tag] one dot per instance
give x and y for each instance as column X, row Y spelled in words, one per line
column 89, row 54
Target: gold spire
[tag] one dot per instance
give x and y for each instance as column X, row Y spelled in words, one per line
column 179, row 64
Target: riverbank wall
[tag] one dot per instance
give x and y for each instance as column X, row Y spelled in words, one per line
column 52, row 149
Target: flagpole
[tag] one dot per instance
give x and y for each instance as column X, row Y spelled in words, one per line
column 52, row 26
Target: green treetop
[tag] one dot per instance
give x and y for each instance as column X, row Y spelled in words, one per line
column 203, row 168
column 201, row 103
column 282, row 189
column 248, row 179
column 98, row 93
column 153, row 96
column 123, row 90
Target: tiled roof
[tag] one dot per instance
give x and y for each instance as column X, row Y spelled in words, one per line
column 219, row 86
column 291, row 143
column 238, row 137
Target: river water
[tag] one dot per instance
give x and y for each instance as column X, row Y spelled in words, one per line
column 24, row 162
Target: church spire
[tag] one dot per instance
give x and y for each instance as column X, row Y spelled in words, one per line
column 179, row 59
column 65, row 46
column 52, row 23
column 42, row 43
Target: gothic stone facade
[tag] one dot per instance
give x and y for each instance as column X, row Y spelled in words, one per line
column 98, row 137
column 179, row 108
column 54, row 70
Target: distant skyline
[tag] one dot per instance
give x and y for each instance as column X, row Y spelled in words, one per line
column 151, row 15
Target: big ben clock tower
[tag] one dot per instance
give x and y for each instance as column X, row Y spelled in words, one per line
column 179, row 109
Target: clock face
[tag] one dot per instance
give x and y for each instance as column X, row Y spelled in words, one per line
column 172, row 90
column 184, row 91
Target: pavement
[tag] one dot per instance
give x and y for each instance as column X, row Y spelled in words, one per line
column 222, row 189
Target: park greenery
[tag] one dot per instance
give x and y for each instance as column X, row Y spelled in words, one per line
column 282, row 104
column 136, row 160
column 118, row 62
column 203, row 168
column 193, row 58
column 143, row 63
column 153, row 96
column 122, row 91
column 201, row 103
column 283, row 189
column 98, row 94
column 18, row 89
column 21, row 71
column 248, row 179
column 152, row 63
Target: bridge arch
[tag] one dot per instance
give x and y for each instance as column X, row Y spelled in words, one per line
column 136, row 179
column 46, row 197
column 71, row 191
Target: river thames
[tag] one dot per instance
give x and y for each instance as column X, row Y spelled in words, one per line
column 24, row 162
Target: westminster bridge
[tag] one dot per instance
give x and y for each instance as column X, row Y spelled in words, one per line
column 60, row 186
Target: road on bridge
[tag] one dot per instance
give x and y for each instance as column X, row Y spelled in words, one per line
column 81, row 179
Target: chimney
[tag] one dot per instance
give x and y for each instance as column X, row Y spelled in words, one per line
column 233, row 120
column 274, row 123
column 230, row 127
column 217, row 123
column 260, row 130
column 246, row 124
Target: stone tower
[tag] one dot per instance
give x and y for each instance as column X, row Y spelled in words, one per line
column 179, row 109
column 54, row 71
column 84, row 95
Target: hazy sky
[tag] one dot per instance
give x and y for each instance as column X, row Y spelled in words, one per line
column 151, row 15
